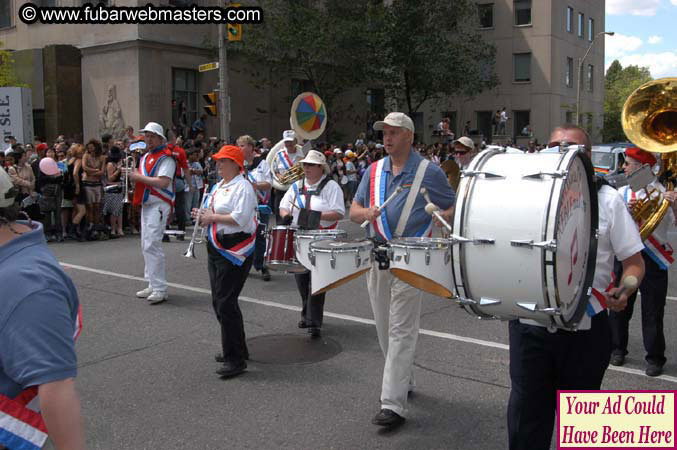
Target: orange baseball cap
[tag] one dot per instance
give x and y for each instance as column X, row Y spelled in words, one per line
column 231, row 152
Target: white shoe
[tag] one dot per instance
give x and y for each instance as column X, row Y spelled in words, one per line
column 157, row 297
column 144, row 293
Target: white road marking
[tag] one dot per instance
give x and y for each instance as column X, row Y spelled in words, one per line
column 438, row 334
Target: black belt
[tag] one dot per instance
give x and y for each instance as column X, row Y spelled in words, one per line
column 230, row 240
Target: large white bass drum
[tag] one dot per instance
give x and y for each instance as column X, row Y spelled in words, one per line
column 526, row 228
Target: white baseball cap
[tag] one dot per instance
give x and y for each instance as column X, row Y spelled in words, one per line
column 5, row 187
column 288, row 135
column 155, row 128
column 395, row 119
column 466, row 142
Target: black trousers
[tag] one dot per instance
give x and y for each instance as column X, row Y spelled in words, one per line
column 313, row 305
column 654, row 289
column 227, row 280
column 541, row 363
column 260, row 243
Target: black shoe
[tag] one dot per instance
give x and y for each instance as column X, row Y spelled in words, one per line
column 229, row 370
column 653, row 370
column 304, row 324
column 220, row 359
column 266, row 274
column 617, row 359
column 387, row 418
column 165, row 238
column 314, row 332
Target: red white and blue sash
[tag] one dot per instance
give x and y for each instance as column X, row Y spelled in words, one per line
column 21, row 424
column 299, row 200
column 239, row 252
column 597, row 301
column 285, row 160
column 262, row 196
column 654, row 248
column 377, row 196
column 150, row 162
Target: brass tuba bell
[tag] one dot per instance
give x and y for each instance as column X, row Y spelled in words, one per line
column 649, row 120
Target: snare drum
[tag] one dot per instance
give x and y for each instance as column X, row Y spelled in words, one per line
column 334, row 263
column 280, row 254
column 530, row 221
column 424, row 263
column 303, row 238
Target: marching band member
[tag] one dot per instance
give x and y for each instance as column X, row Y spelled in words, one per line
column 285, row 160
column 541, row 362
column 154, row 192
column 464, row 151
column 258, row 174
column 315, row 201
column 229, row 213
column 657, row 255
column 397, row 305
column 39, row 322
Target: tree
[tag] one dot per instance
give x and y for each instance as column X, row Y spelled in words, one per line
column 7, row 74
column 619, row 83
column 324, row 42
column 430, row 50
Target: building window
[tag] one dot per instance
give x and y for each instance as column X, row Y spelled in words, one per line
column 44, row 3
column 569, row 117
column 591, row 72
column 588, row 123
column 581, row 24
column 376, row 101
column 569, row 77
column 5, row 13
column 522, row 12
column 522, row 123
column 299, row 86
column 570, row 19
column 522, row 62
column 181, row 2
column 184, row 89
column 591, row 29
column 453, row 117
column 486, row 14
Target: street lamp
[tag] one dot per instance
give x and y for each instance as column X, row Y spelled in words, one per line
column 580, row 73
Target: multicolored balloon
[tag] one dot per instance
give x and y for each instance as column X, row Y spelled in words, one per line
column 308, row 115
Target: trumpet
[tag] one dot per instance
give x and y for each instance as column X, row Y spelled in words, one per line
column 197, row 237
column 128, row 167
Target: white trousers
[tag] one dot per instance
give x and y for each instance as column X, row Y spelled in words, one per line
column 397, row 313
column 153, row 222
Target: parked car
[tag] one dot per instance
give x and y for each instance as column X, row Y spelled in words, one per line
column 608, row 160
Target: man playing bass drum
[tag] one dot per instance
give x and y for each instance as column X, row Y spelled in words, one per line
column 313, row 202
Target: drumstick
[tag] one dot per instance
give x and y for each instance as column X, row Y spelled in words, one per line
column 433, row 209
column 380, row 208
column 629, row 283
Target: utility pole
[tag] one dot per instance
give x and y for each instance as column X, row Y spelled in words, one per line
column 580, row 74
column 224, row 104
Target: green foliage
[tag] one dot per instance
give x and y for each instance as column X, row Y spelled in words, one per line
column 8, row 77
column 433, row 49
column 619, row 83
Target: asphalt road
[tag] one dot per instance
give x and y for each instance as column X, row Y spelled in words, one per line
column 147, row 380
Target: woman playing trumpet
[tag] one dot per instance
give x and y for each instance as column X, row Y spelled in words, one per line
column 314, row 202
column 229, row 215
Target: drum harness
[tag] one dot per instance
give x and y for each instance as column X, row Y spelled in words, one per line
column 381, row 249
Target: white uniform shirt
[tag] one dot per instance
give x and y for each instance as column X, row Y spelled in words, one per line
column 618, row 235
column 262, row 173
column 238, row 199
column 294, row 157
column 330, row 199
column 661, row 231
column 167, row 169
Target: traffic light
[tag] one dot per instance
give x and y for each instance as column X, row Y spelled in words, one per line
column 234, row 32
column 211, row 100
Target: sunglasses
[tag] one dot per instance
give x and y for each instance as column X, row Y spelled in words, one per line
column 461, row 152
column 310, row 165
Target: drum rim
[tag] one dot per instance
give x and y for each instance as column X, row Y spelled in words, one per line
column 283, row 227
column 314, row 233
column 418, row 242
column 316, row 245
column 588, row 280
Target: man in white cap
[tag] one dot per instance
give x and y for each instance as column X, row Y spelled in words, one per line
column 285, row 160
column 397, row 305
column 464, row 151
column 154, row 191
column 39, row 321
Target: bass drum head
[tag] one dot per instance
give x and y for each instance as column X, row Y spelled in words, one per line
column 576, row 235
